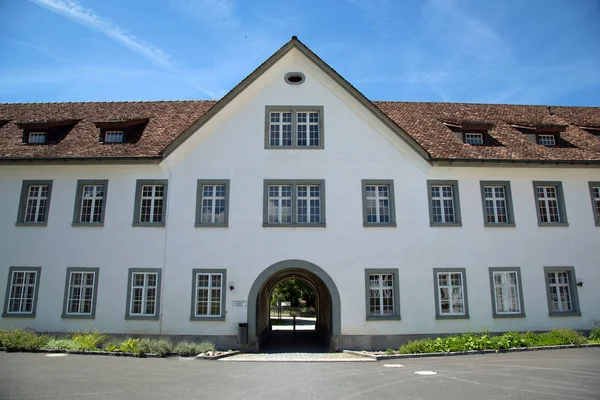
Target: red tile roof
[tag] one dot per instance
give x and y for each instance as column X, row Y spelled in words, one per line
column 424, row 122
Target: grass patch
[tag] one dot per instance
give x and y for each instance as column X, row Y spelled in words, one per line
column 485, row 341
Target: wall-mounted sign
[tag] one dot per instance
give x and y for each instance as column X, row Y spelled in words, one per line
column 238, row 303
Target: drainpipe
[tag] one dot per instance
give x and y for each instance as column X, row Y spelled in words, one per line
column 164, row 267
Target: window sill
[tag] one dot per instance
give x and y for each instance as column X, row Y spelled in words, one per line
column 148, row 224
column 142, row 317
column 31, row 224
column 499, row 225
column 565, row 314
column 199, row 225
column 556, row 224
column 383, row 318
column 69, row 316
column 520, row 315
column 88, row 224
column 207, row 318
column 445, row 225
column 267, row 225
column 10, row 315
column 466, row 316
column 379, row 225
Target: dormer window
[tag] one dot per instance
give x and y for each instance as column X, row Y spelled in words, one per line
column 121, row 131
column 36, row 138
column 474, row 134
column 592, row 130
column 113, row 137
column 475, row 139
column 546, row 140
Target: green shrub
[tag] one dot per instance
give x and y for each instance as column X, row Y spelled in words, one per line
column 417, row 347
column 90, row 340
column 62, row 344
column 389, row 352
column 20, row 340
column 186, row 349
column 129, row 346
column 3, row 338
column 595, row 334
column 559, row 337
column 160, row 347
column 112, row 347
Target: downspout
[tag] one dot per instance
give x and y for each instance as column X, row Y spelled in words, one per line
column 164, row 267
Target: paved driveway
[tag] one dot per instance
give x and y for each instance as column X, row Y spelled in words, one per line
column 560, row 374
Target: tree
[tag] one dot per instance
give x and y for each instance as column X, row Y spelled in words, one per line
column 293, row 290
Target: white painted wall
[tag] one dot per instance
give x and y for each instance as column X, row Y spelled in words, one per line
column 357, row 146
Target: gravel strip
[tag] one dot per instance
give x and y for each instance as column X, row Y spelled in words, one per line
column 297, row 357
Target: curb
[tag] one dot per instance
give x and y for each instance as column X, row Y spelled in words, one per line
column 382, row 357
column 120, row 354
column 218, row 356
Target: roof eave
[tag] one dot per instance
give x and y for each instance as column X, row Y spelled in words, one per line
column 80, row 160
column 473, row 162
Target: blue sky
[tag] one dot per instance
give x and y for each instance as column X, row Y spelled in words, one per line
column 511, row 51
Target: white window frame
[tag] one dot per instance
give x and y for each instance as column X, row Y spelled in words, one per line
column 308, row 123
column 505, row 300
column 24, row 289
column 37, row 137
column 544, row 203
column 116, row 136
column 272, row 215
column 496, row 199
column 145, row 288
column 441, row 198
column 280, row 124
column 37, row 199
column 309, row 198
column 560, row 290
column 451, row 314
column 474, row 139
column 275, row 202
column 213, row 221
column 213, row 198
column 71, row 272
column 595, row 197
column 153, row 198
column 210, row 273
column 94, row 200
column 569, row 286
column 301, row 116
column 374, row 195
column 385, row 291
column 546, row 140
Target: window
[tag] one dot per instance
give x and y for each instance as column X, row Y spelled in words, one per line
column 81, row 288
column 150, row 203
column 496, row 199
column 37, row 138
column 294, row 203
column 563, row 299
column 507, row 294
column 294, row 127
column 34, row 203
column 546, row 140
column 212, row 203
column 382, row 295
column 444, row 205
column 143, row 294
column 90, row 203
column 22, row 291
column 550, row 204
column 450, row 293
column 113, row 137
column 378, row 203
column 208, row 294
column 595, row 195
column 474, row 138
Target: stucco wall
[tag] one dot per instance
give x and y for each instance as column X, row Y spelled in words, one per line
column 357, row 146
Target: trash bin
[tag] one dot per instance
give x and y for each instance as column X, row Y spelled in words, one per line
column 243, row 333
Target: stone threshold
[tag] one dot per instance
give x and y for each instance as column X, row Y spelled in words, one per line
column 383, row 357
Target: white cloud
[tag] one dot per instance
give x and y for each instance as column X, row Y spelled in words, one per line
column 72, row 10
column 214, row 13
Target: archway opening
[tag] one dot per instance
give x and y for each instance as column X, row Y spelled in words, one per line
column 265, row 336
column 293, row 306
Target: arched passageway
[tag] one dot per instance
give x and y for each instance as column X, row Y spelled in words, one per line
column 328, row 323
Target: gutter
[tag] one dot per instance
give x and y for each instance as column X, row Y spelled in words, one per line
column 81, row 160
column 469, row 162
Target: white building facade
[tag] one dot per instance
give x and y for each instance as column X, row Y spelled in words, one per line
column 297, row 179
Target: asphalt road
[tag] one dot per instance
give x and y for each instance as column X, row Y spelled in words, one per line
column 559, row 374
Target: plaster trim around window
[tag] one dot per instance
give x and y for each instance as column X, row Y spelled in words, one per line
column 456, row 197
column 438, row 314
column 70, row 270
column 294, row 110
column 23, row 202
column 138, row 201
column 572, row 288
column 392, row 204
column 595, row 210
column 156, row 316
column 199, row 198
column 223, row 272
column 561, row 203
column 495, row 314
column 78, row 197
column 509, row 204
column 396, row 294
column 294, row 183
column 11, row 270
